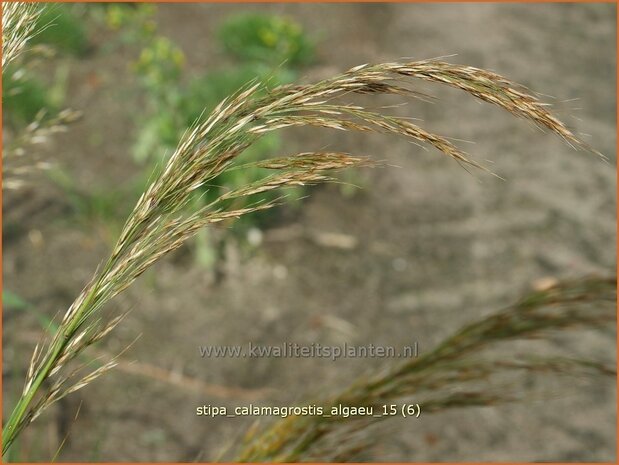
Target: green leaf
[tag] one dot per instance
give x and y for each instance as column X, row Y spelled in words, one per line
column 12, row 300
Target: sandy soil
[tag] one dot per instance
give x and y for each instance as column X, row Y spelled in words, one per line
column 435, row 245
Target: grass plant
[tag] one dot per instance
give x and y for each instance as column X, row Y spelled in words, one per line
column 464, row 370
column 163, row 220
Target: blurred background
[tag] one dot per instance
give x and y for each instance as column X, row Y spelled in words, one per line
column 418, row 249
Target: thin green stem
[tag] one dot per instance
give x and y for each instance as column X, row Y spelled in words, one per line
column 14, row 423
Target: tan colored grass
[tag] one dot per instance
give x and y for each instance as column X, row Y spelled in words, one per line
column 162, row 219
column 461, row 371
column 18, row 25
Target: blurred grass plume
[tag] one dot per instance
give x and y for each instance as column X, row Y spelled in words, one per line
column 463, row 370
column 19, row 22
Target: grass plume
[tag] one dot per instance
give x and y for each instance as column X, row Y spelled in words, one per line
column 162, row 219
column 19, row 161
column 458, row 372
column 19, row 20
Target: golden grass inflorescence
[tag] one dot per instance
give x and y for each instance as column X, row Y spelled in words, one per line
column 18, row 26
column 162, row 219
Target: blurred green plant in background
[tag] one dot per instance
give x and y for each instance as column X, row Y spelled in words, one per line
column 23, row 97
column 267, row 39
column 266, row 48
column 59, row 26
